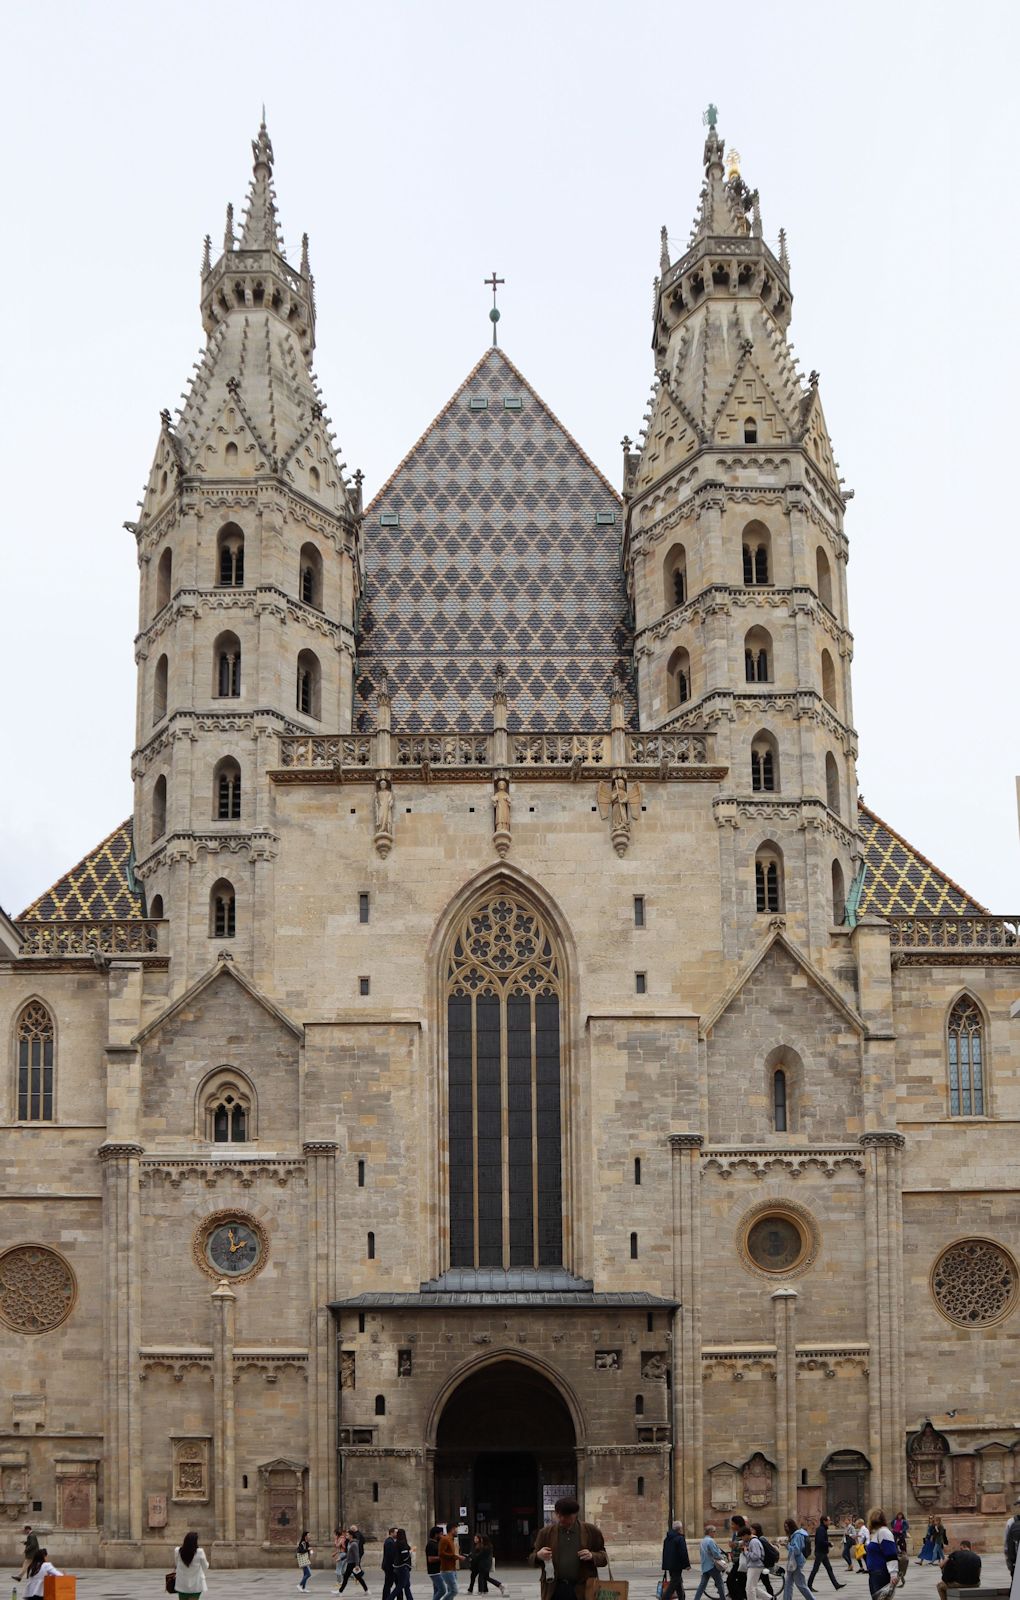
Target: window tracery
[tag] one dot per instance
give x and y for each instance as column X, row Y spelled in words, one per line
column 965, row 1040
column 227, row 1108
column 974, row 1282
column 35, row 1037
column 504, row 993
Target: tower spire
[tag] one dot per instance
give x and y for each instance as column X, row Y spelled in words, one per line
column 719, row 216
column 260, row 229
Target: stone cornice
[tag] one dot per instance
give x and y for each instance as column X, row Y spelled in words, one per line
column 182, row 724
column 196, row 498
column 794, row 1162
column 112, row 1150
column 259, row 844
column 686, row 1141
column 882, row 1140
column 210, row 1170
column 722, row 598
column 637, row 538
column 808, row 811
column 192, row 600
column 724, row 705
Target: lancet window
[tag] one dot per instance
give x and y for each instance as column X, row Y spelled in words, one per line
column 966, row 1059
column 35, row 1064
column 504, row 994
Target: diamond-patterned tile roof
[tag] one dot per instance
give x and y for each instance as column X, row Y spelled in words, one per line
column 900, row 881
column 99, row 887
column 497, row 557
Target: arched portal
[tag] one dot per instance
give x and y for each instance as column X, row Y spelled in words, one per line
column 504, row 1436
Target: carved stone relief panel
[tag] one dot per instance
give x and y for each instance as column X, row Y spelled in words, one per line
column 724, row 1486
column 758, row 1480
column 191, row 1470
column 76, row 1494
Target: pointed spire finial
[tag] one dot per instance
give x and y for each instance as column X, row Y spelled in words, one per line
column 261, row 228
column 305, row 271
column 262, row 147
column 206, row 256
column 784, row 259
column 228, row 231
column 663, row 250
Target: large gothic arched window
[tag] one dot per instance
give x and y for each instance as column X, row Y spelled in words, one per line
column 504, row 987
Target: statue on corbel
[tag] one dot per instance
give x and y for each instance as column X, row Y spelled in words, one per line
column 383, row 813
column 501, row 834
column 619, row 803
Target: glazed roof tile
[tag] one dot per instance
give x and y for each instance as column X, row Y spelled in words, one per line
column 99, row 888
column 899, row 881
column 497, row 556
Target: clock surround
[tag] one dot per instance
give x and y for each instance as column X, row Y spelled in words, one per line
column 231, row 1244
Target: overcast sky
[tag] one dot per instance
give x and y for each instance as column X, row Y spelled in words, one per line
column 422, row 145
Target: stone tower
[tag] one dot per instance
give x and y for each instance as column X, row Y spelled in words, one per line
column 249, row 582
column 736, row 559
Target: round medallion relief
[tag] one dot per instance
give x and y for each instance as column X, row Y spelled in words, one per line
column 778, row 1238
column 37, row 1288
column 974, row 1282
column 231, row 1244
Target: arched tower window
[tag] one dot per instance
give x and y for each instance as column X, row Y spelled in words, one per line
column 158, row 808
column 838, row 895
column 757, row 553
column 828, row 679
column 674, row 576
column 309, row 683
column 678, row 679
column 504, row 989
column 768, row 878
column 311, row 576
column 35, row 1037
column 758, row 656
column 222, row 916
column 965, row 1040
column 831, row 782
column 159, row 689
column 156, row 908
column 164, row 579
column 750, row 430
column 230, row 556
column 764, row 764
column 227, row 790
column 225, row 1108
column 227, row 667
column 824, row 577
column 230, row 453
column 779, row 1092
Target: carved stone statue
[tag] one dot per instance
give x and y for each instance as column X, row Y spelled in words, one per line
column 620, row 803
column 501, row 815
column 383, row 816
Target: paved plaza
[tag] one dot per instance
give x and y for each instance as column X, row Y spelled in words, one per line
column 522, row 1582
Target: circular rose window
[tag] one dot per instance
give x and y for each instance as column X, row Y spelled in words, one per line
column 974, row 1283
column 37, row 1288
column 778, row 1238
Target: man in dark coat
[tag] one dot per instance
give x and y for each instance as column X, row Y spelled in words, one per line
column 389, row 1550
column 675, row 1562
column 574, row 1550
column 822, row 1556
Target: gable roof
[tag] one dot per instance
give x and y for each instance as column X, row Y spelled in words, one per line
column 100, row 887
column 497, row 557
column 777, row 936
column 900, row 881
column 224, row 968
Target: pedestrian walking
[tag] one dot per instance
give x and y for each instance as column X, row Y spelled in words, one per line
column 432, row 1562
column 191, row 1567
column 304, row 1553
column 849, row 1540
column 350, row 1566
column 941, row 1540
column 862, row 1544
column 675, row 1562
column 482, row 1559
column 822, row 1546
column 881, row 1556
column 736, row 1578
column 400, row 1567
column 574, row 1550
column 712, row 1563
column 1012, row 1541
column 754, row 1563
column 929, row 1546
column 476, row 1546
column 900, row 1528
column 771, row 1558
column 389, row 1546
column 449, row 1560
column 31, row 1550
column 796, row 1557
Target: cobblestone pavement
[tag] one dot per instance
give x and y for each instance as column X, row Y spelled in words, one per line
column 522, row 1582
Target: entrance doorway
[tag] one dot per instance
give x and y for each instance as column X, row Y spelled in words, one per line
column 847, row 1476
column 504, row 1436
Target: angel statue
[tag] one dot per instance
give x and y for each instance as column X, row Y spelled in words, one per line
column 619, row 803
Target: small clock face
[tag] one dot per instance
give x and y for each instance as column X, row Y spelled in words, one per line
column 233, row 1247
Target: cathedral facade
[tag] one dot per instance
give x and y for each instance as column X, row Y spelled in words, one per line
column 501, row 1053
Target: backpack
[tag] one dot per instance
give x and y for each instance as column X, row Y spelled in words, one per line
column 806, row 1545
column 770, row 1552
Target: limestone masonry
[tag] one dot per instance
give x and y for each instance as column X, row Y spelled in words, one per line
column 501, row 1053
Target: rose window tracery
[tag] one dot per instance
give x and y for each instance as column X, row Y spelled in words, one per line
column 37, row 1289
column 503, row 947
column 974, row 1282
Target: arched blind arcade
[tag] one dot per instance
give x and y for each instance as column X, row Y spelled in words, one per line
column 504, row 987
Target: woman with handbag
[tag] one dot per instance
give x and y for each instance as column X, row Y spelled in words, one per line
column 304, row 1553
column 191, row 1564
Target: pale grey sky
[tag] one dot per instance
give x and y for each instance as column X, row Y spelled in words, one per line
column 421, row 145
